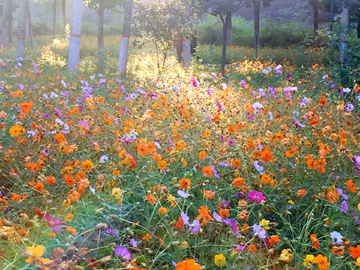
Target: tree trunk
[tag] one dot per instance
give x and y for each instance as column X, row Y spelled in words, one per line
column 316, row 23
column 228, row 33
column 31, row 35
column 74, row 46
column 331, row 14
column 24, row 5
column 3, row 23
column 226, row 22
column 10, row 19
column 63, row 9
column 124, row 47
column 358, row 24
column 256, row 5
column 186, row 52
column 54, row 21
column 101, row 33
column 343, row 39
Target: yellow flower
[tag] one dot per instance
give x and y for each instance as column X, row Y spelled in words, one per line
column 358, row 261
column 286, row 255
column 291, row 202
column 264, row 224
column 219, row 260
column 309, row 259
column 35, row 253
column 116, row 193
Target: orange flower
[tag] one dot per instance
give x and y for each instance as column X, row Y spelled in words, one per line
column 209, row 194
column 235, row 163
column 202, row 155
column 205, row 213
column 162, row 210
column 239, row 182
column 69, row 180
column 354, row 252
column 16, row 131
column 323, row 102
column 265, row 179
column 39, row 186
column 301, row 193
column 338, row 250
column 35, row 254
column 74, row 195
column 185, row 183
column 151, row 198
column 162, row 165
column 189, row 264
column 322, row 262
column 87, row 165
column 207, row 171
column 351, row 186
column 71, row 230
column 274, row 240
column 315, row 242
column 51, row 180
column 224, row 213
column 266, row 155
column 180, row 145
column 332, row 196
column 142, row 149
column 179, row 224
column 26, row 107
column 252, row 248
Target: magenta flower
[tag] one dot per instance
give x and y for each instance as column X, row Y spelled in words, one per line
column 55, row 224
column 256, row 197
column 123, row 252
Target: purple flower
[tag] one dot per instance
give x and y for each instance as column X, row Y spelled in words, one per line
column 256, row 197
column 185, row 218
column 339, row 190
column 344, row 206
column 219, row 105
column 260, row 233
column 209, row 92
column 183, row 194
column 336, row 238
column 355, row 217
column 133, row 242
column 215, row 171
column 349, row 107
column 242, row 83
column 194, row 227
column 123, row 252
column 84, row 123
column 110, row 231
column 289, row 76
column 54, row 224
column 225, row 205
column 57, row 112
column 217, row 217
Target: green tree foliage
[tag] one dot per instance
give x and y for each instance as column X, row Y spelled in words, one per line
column 160, row 23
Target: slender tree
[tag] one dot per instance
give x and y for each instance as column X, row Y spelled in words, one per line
column 75, row 35
column 223, row 9
column 256, row 6
column 63, row 10
column 24, row 5
column 100, row 6
column 10, row 20
column 54, row 20
column 3, row 23
column 31, row 35
column 124, row 47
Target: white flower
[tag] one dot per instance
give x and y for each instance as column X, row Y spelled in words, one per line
column 346, row 90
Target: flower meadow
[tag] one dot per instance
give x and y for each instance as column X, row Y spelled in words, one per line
column 258, row 169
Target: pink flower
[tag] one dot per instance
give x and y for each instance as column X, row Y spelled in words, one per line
column 256, row 197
